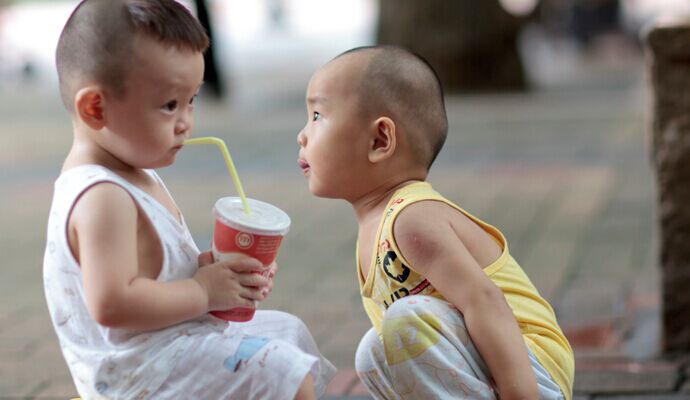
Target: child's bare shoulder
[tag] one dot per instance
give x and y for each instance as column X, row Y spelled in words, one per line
column 429, row 229
column 429, row 217
column 423, row 227
column 105, row 198
column 103, row 204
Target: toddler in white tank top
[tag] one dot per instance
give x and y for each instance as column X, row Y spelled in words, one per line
column 125, row 291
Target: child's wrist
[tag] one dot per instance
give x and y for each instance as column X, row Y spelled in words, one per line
column 205, row 299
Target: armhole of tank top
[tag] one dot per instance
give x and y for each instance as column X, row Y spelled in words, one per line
column 390, row 227
column 152, row 173
column 73, row 202
column 360, row 278
column 489, row 229
column 495, row 234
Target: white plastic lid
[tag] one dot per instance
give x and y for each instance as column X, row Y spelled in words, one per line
column 265, row 219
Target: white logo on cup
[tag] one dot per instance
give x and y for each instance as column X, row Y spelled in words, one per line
column 244, row 240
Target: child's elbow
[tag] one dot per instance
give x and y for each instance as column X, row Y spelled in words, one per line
column 490, row 295
column 106, row 313
column 522, row 392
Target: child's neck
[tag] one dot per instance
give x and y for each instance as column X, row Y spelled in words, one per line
column 369, row 207
column 86, row 151
column 369, row 210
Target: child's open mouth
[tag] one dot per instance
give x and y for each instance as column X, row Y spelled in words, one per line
column 304, row 165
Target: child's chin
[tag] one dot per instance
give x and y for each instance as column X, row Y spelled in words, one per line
column 315, row 190
column 163, row 163
column 325, row 194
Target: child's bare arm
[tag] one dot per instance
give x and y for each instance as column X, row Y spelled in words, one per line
column 104, row 223
column 432, row 243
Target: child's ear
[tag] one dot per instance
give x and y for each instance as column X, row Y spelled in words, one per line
column 383, row 141
column 89, row 107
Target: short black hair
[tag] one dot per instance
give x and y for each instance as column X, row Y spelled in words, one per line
column 97, row 41
column 402, row 83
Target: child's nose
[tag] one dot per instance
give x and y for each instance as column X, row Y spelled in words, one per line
column 181, row 127
column 183, row 123
column 301, row 138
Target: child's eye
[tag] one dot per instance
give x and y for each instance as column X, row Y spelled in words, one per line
column 193, row 97
column 316, row 116
column 170, row 106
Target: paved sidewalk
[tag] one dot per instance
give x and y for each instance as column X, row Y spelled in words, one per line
column 564, row 172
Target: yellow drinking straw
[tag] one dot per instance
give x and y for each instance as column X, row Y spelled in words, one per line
column 228, row 162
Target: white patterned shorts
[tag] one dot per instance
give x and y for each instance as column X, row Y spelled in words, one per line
column 426, row 353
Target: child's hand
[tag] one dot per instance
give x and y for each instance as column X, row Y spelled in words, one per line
column 206, row 258
column 230, row 284
column 272, row 269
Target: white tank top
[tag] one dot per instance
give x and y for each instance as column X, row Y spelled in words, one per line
column 121, row 363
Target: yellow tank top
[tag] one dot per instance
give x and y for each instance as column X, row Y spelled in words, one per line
column 391, row 277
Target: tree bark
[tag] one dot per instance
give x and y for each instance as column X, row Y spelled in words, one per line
column 472, row 44
column 212, row 78
column 669, row 68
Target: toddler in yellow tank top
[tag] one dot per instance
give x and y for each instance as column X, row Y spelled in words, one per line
column 453, row 313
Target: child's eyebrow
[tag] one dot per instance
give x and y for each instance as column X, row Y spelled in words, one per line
column 316, row 100
column 168, row 87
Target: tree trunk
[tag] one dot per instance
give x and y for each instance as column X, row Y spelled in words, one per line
column 669, row 68
column 472, row 44
column 212, row 79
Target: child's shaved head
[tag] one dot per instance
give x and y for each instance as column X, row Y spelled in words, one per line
column 402, row 85
column 97, row 42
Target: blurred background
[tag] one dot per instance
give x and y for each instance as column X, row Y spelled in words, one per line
column 548, row 108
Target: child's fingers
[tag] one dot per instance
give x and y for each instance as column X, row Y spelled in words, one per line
column 253, row 280
column 244, row 264
column 266, row 290
column 272, row 270
column 205, row 258
column 252, row 293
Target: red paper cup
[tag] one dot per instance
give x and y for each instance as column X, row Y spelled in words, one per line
column 257, row 235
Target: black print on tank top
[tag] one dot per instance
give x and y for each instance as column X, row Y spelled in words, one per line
column 388, row 260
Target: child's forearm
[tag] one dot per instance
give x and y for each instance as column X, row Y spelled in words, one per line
column 146, row 304
column 494, row 331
